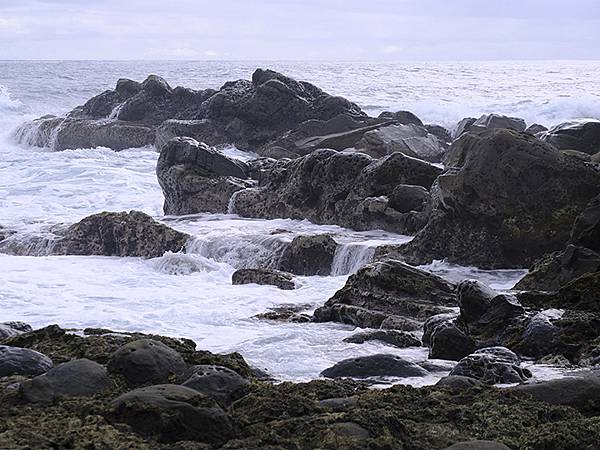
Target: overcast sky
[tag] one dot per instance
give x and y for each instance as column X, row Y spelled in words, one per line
column 391, row 30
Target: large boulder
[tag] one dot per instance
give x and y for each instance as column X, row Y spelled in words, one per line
column 22, row 361
column 347, row 189
column 272, row 277
column 171, row 413
column 219, row 383
column 196, row 178
column 374, row 366
column 505, row 200
column 582, row 135
column 447, row 341
column 492, row 365
column 492, row 121
column 119, row 234
column 387, row 289
column 309, row 255
column 412, row 140
column 77, row 378
column 146, row 361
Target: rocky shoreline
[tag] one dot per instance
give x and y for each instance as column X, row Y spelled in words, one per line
column 493, row 193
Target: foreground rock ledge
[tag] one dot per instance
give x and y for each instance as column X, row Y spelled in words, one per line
column 223, row 406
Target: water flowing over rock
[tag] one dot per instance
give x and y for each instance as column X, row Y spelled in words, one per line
column 581, row 135
column 505, row 200
column 350, row 190
column 196, row 178
column 387, row 289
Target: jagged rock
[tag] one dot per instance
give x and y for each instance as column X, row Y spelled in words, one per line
column 400, row 323
column 196, row 178
column 535, row 129
column 309, row 255
column 493, row 121
column 258, row 168
column 350, row 190
column 412, row 140
column 219, row 383
column 582, row 135
column 119, row 234
column 146, row 361
column 202, row 130
column 374, row 366
column 402, row 117
column 392, row 337
column 458, row 382
column 171, row 413
column 277, row 278
column 492, row 365
column 8, row 329
column 388, row 288
column 77, row 378
column 22, row 361
column 440, row 132
column 464, row 126
column 286, row 313
column 553, row 271
column 506, row 200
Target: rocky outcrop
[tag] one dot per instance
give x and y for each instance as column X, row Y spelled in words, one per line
column 402, row 117
column 350, row 190
column 463, row 127
column 388, row 289
column 196, row 178
column 309, row 255
column 394, row 338
column 8, row 329
column 505, row 200
column 535, row 129
column 582, row 135
column 282, row 280
column 119, row 234
column 374, row 366
column 494, row 121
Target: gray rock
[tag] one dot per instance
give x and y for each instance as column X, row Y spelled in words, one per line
column 493, row 121
column 388, row 288
column 146, row 361
column 392, row 337
column 131, row 233
column 77, row 378
column 287, row 313
column 272, row 277
column 478, row 445
column 309, row 255
column 374, row 366
column 535, row 129
column 171, row 413
column 463, row 127
column 586, row 229
column 492, row 365
column 500, row 218
column 9, row 329
column 219, row 383
column 400, row 323
column 450, row 342
column 440, row 132
column 22, row 361
column 406, row 198
column 195, row 178
column 540, row 337
column 339, row 404
column 474, row 299
column 402, row 117
column 203, row 130
column 582, row 135
column 458, row 382
column 433, row 322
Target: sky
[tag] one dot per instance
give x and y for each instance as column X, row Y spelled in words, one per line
column 379, row 30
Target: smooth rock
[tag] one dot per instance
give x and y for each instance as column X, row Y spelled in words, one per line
column 458, row 382
column 309, row 255
column 22, row 361
column 582, row 135
column 219, row 383
column 374, row 366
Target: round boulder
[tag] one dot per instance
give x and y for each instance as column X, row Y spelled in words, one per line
column 219, row 383
column 374, row 366
column 22, row 361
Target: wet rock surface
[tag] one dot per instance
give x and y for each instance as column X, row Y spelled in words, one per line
column 22, row 361
column 581, row 135
column 394, row 338
column 282, row 280
column 374, row 366
column 309, row 255
column 219, row 383
column 492, row 365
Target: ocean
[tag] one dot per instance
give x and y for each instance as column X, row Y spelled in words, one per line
column 191, row 295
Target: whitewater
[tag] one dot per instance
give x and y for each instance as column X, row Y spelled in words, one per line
column 191, row 295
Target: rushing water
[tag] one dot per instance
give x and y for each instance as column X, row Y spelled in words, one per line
column 191, row 295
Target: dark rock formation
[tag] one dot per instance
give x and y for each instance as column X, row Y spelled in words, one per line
column 8, row 329
column 374, row 366
column 581, row 135
column 463, row 127
column 458, row 382
column 493, row 121
column 447, row 341
column 219, row 383
column 119, row 234
column 492, row 365
column 309, row 255
column 272, row 277
column 402, row 117
column 388, row 289
column 287, row 313
column 350, row 190
column 395, row 338
column 535, row 129
column 506, row 199
column 171, row 413
column 478, row 445
column 146, row 361
column 77, row 378
column 440, row 132
column 22, row 361
column 196, row 178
